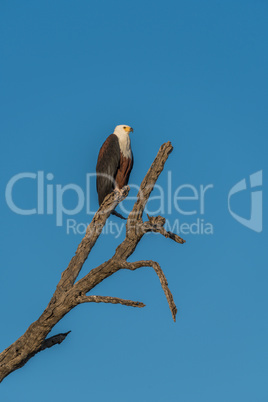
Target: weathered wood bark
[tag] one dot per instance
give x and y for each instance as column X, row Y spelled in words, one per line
column 70, row 293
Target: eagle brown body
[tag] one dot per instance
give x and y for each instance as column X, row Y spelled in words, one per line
column 123, row 173
column 115, row 162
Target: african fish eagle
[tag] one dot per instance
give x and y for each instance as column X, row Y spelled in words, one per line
column 115, row 162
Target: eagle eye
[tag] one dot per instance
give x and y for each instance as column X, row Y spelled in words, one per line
column 124, row 127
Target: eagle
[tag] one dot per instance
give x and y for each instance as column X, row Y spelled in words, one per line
column 115, row 162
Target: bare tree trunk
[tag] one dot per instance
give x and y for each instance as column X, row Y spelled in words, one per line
column 70, row 293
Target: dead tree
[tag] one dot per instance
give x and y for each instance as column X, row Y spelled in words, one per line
column 70, row 293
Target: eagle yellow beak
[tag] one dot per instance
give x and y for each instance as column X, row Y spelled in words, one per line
column 128, row 129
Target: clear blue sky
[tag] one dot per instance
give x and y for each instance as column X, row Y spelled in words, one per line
column 191, row 72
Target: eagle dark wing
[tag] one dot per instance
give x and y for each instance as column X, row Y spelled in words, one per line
column 107, row 166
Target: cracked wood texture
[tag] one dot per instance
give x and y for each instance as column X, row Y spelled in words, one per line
column 69, row 293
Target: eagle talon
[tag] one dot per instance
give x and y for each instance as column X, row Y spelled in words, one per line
column 120, row 191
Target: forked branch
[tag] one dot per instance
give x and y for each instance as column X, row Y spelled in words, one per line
column 109, row 299
column 69, row 293
column 139, row 264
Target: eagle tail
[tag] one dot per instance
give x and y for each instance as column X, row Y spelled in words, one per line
column 118, row 215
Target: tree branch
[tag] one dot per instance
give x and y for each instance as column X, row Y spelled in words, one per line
column 69, row 294
column 53, row 340
column 92, row 234
column 149, row 263
column 109, row 299
column 156, row 224
column 149, row 181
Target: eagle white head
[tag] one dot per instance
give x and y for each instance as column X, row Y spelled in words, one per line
column 122, row 132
